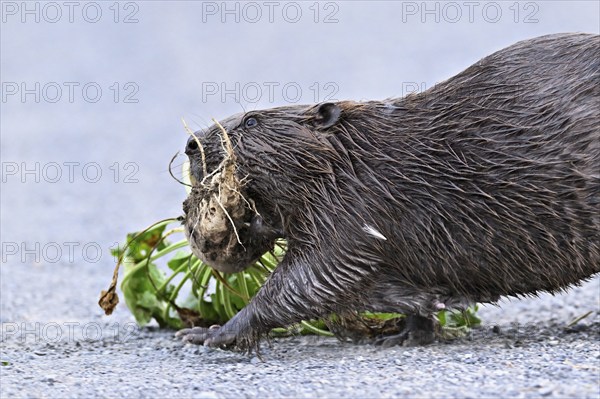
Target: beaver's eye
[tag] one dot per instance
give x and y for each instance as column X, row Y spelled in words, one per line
column 192, row 145
column 251, row 122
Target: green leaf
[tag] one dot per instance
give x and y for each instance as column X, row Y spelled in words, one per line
column 209, row 314
column 180, row 258
column 237, row 302
column 141, row 297
column 382, row 316
column 139, row 245
column 466, row 318
column 442, row 318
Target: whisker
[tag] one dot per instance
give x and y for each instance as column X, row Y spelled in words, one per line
column 171, row 171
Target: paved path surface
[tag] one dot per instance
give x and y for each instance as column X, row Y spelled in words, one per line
column 55, row 349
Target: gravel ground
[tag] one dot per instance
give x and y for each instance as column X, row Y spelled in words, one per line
column 55, row 349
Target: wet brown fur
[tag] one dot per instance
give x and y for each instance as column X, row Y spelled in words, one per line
column 486, row 185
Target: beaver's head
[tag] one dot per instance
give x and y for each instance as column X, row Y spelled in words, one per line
column 279, row 153
column 265, row 139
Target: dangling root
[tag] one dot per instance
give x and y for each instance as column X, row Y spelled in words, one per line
column 109, row 298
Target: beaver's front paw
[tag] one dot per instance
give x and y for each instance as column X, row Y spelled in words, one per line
column 215, row 336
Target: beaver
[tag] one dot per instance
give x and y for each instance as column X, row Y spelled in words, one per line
column 483, row 186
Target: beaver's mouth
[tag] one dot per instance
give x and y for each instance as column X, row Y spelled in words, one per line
column 235, row 252
column 220, row 219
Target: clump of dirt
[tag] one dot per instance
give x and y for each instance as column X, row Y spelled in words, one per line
column 215, row 210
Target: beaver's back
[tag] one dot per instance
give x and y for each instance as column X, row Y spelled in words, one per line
column 492, row 179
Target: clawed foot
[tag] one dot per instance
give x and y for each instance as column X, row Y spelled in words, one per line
column 236, row 333
column 215, row 336
column 417, row 331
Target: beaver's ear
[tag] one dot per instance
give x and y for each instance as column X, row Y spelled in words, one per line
column 327, row 115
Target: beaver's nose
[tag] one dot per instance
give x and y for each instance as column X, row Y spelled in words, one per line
column 191, row 146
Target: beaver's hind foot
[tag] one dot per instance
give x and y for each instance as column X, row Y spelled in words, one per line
column 417, row 331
